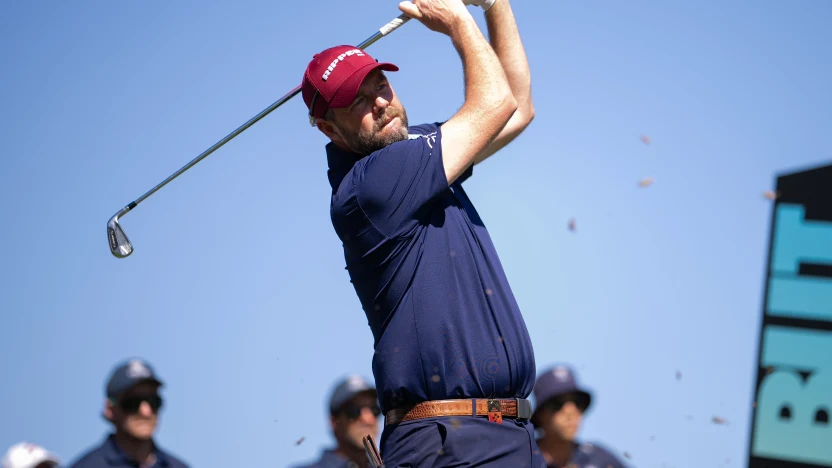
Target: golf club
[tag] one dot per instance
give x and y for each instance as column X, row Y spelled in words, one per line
column 120, row 245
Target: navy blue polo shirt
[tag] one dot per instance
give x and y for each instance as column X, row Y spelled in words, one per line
column 109, row 455
column 444, row 319
column 330, row 459
column 588, row 455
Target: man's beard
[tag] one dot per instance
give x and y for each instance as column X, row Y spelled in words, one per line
column 366, row 142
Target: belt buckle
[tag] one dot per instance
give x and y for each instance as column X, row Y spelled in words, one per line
column 524, row 409
column 495, row 413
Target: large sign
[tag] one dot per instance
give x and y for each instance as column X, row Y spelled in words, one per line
column 790, row 426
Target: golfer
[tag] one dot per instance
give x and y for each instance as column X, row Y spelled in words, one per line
column 453, row 361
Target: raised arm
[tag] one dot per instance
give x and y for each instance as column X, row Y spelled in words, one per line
column 505, row 39
column 489, row 102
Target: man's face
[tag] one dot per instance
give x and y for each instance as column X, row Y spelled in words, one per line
column 136, row 411
column 562, row 416
column 357, row 419
column 375, row 118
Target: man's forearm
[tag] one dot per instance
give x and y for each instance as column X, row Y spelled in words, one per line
column 505, row 40
column 486, row 84
column 489, row 103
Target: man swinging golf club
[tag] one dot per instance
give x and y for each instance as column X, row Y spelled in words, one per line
column 453, row 360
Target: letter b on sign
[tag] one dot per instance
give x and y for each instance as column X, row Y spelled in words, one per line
column 790, row 423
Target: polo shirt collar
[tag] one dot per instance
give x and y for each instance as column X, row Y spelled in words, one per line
column 116, row 456
column 340, row 162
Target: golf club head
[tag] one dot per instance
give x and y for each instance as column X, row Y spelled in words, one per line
column 120, row 245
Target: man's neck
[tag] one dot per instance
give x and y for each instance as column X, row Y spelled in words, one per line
column 141, row 451
column 357, row 456
column 556, row 451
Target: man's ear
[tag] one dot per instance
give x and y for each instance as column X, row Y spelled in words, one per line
column 107, row 413
column 333, row 421
column 329, row 129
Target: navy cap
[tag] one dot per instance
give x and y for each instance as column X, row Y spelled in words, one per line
column 129, row 374
column 556, row 381
column 347, row 389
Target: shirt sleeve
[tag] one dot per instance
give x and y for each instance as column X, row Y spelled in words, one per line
column 467, row 173
column 398, row 184
column 608, row 460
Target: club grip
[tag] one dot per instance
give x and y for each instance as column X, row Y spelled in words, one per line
column 394, row 24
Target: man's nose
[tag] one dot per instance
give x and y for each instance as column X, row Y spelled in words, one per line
column 367, row 416
column 381, row 104
column 145, row 409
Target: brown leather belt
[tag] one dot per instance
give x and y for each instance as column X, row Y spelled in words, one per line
column 496, row 410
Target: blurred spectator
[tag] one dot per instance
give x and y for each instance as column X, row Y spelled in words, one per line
column 28, row 455
column 561, row 405
column 132, row 407
column 354, row 412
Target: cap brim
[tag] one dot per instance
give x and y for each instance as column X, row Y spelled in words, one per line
column 148, row 380
column 47, row 458
column 366, row 391
column 349, row 88
column 541, row 404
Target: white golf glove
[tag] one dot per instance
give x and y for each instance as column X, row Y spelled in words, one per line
column 485, row 4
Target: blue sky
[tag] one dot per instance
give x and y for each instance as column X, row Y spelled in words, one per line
column 237, row 292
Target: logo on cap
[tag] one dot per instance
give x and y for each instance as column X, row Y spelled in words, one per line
column 355, row 382
column 339, row 59
column 561, row 373
column 137, row 370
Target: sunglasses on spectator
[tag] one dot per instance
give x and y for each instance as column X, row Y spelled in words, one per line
column 580, row 401
column 354, row 411
column 131, row 404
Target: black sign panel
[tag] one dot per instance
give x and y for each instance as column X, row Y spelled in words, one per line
column 793, row 399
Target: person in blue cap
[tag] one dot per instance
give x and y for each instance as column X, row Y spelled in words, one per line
column 132, row 407
column 353, row 414
column 560, row 407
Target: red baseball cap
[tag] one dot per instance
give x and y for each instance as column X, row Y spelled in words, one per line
column 333, row 77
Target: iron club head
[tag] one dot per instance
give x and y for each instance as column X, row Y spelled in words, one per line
column 120, row 245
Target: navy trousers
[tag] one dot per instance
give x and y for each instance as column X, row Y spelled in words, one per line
column 460, row 442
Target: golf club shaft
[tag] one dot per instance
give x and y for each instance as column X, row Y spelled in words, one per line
column 385, row 30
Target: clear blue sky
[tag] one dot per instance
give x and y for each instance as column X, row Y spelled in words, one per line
column 237, row 291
